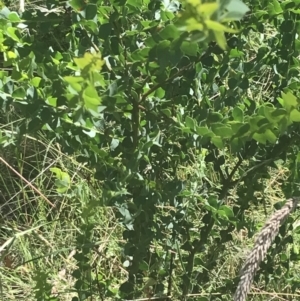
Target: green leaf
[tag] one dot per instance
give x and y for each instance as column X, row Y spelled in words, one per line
column 243, row 130
column 134, row 5
column 105, row 30
column 147, row 146
column 218, row 142
column 90, row 62
column 238, row 114
column 114, row 144
column 232, row 83
column 169, row 32
column 220, row 39
column 77, row 4
column 215, row 117
column 164, row 45
column 167, row 112
column 236, row 10
column 189, row 48
column 289, row 101
column 236, row 145
column 75, row 82
column 14, row 33
column 91, row 98
column 140, row 54
column 226, row 211
column 270, row 136
column 221, row 130
column 190, row 123
column 52, row 101
column 295, row 116
column 260, row 137
column 207, row 9
column 278, row 114
column 19, row 93
column 253, row 121
column 263, row 122
column 283, row 124
column 202, row 131
column 287, row 26
column 274, row 8
column 193, row 24
column 160, row 93
column 298, row 159
column 62, row 181
column 91, row 133
column 14, row 17
column 4, row 11
column 234, row 53
column 35, row 81
column 90, row 11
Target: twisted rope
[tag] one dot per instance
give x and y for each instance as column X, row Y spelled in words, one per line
column 261, row 246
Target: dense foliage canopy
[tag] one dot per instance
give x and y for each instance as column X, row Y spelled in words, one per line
column 179, row 111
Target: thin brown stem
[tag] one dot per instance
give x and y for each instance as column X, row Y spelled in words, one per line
column 28, row 183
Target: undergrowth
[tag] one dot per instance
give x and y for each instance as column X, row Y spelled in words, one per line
column 44, row 241
column 59, row 241
column 44, row 245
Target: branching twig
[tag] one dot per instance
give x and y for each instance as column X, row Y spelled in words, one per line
column 178, row 73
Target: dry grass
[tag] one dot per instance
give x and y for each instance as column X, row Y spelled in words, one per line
column 36, row 238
